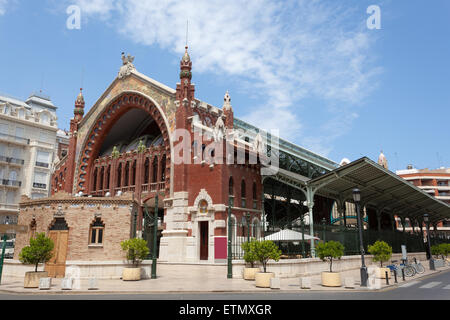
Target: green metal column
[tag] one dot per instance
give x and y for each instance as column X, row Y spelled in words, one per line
column 310, row 202
column 2, row 256
column 303, row 234
column 229, row 269
column 155, row 233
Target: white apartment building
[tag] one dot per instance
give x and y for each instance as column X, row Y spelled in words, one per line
column 27, row 149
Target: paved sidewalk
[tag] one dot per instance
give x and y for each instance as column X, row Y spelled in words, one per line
column 200, row 279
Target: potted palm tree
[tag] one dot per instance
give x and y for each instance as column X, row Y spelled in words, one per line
column 264, row 251
column 327, row 252
column 39, row 251
column 136, row 250
column 381, row 251
column 250, row 258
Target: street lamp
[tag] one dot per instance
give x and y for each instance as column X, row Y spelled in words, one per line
column 426, row 219
column 324, row 222
column 357, row 199
column 247, row 220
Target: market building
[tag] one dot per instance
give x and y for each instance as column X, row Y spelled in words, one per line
column 145, row 148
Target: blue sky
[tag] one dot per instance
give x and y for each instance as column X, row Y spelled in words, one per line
column 311, row 69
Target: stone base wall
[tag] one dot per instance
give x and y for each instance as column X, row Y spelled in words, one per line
column 291, row 268
column 80, row 269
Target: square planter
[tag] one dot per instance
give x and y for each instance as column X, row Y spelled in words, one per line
column 32, row 278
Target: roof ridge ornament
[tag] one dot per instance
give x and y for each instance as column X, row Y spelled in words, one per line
column 227, row 101
column 127, row 66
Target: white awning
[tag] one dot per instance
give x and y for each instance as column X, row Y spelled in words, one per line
column 288, row 235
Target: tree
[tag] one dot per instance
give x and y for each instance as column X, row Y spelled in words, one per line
column 266, row 250
column 249, row 252
column 330, row 250
column 381, row 251
column 136, row 250
column 39, row 251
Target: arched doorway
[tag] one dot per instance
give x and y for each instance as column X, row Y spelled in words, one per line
column 59, row 233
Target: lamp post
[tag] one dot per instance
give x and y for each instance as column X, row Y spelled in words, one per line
column 155, row 231
column 229, row 262
column 247, row 220
column 426, row 219
column 324, row 222
column 357, row 199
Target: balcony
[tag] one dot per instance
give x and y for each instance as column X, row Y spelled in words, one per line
column 8, row 219
column 42, row 164
column 10, row 183
column 39, row 185
column 14, row 139
column 12, row 160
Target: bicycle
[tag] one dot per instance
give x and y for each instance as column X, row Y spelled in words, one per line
column 409, row 270
column 418, row 266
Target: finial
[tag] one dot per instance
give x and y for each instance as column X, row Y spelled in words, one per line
column 227, row 101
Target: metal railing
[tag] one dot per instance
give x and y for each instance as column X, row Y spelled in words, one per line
column 39, row 185
column 42, row 164
column 296, row 248
column 8, row 219
column 11, row 183
column 12, row 160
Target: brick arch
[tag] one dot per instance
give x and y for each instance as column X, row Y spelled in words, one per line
column 104, row 123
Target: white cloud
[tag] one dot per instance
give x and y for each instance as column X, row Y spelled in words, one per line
column 3, row 4
column 286, row 51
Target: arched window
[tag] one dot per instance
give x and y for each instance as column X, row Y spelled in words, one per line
column 231, row 191
column 155, row 170
column 146, row 167
column 102, row 175
column 127, row 174
column 254, row 196
column 119, row 175
column 133, row 174
column 108, row 174
column 163, row 168
column 96, row 232
column 94, row 185
column 243, row 204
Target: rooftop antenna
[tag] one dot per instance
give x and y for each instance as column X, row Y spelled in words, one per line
column 82, row 77
column 187, row 31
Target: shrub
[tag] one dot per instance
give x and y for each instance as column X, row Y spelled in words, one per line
column 265, row 250
column 39, row 251
column 436, row 250
column 329, row 251
column 136, row 250
column 442, row 249
column 249, row 252
column 381, row 251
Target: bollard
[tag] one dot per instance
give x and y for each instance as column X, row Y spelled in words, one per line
column 395, row 276
column 387, row 278
column 403, row 274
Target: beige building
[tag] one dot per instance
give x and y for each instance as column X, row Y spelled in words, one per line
column 27, row 149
